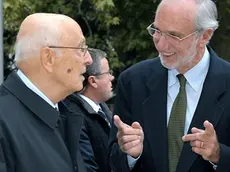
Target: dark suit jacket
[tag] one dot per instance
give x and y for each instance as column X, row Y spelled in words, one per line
column 94, row 135
column 142, row 96
column 30, row 139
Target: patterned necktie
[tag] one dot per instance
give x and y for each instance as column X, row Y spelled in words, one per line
column 100, row 112
column 176, row 125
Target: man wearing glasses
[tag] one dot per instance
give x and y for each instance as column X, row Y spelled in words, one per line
column 91, row 103
column 173, row 112
column 38, row 134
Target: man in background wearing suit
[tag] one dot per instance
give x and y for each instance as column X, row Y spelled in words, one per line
column 91, row 103
column 173, row 112
column 36, row 133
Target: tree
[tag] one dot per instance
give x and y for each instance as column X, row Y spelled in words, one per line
column 115, row 26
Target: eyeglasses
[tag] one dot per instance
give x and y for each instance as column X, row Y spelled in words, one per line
column 157, row 34
column 83, row 49
column 110, row 72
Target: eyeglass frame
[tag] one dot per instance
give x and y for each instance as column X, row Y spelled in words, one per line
column 167, row 34
column 86, row 48
column 110, row 72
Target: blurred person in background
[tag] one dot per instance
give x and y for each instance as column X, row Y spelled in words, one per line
column 91, row 103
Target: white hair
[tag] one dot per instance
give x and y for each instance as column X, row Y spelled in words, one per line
column 30, row 45
column 206, row 15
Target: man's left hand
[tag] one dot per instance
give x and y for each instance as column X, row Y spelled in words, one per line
column 204, row 142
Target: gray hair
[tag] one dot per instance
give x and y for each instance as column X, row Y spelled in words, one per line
column 206, row 15
column 31, row 44
column 95, row 68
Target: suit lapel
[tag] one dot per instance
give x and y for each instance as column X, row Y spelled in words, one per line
column 90, row 111
column 208, row 108
column 47, row 113
column 74, row 122
column 154, row 110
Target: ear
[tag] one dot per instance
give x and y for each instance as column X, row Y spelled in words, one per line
column 47, row 57
column 92, row 81
column 206, row 36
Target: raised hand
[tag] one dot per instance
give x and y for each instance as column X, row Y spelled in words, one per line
column 204, row 142
column 130, row 138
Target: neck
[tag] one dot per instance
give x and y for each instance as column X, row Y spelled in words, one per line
column 44, row 84
column 91, row 95
column 54, row 91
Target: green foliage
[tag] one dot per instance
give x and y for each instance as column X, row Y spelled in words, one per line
column 115, row 26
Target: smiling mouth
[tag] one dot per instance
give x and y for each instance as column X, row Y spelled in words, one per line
column 166, row 54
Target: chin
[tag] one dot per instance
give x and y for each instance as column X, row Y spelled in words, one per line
column 110, row 95
column 169, row 65
column 79, row 88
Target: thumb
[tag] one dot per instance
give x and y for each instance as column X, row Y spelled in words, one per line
column 136, row 125
column 117, row 122
column 208, row 127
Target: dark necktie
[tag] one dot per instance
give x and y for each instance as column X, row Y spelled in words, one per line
column 100, row 112
column 176, row 125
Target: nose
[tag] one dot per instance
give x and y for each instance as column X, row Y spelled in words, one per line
column 88, row 59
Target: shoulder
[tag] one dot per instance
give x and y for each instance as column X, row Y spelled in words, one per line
column 9, row 103
column 217, row 62
column 140, row 72
column 223, row 64
column 142, row 67
column 73, row 103
column 12, row 114
column 78, row 105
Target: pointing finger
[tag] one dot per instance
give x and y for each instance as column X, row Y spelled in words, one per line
column 118, row 123
column 196, row 130
column 136, row 125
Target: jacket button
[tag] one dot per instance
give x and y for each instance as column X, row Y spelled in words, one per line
column 75, row 168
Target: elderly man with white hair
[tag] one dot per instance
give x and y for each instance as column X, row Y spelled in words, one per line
column 173, row 112
column 38, row 134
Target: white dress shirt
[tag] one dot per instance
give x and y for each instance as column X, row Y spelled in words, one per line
column 31, row 86
column 94, row 105
column 194, row 83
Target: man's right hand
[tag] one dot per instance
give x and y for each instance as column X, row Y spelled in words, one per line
column 130, row 138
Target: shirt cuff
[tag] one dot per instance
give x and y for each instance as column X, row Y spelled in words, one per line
column 214, row 166
column 132, row 161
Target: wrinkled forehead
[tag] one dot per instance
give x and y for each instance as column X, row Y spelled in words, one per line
column 73, row 36
column 176, row 15
column 180, row 8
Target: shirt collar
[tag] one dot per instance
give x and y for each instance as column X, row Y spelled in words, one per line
column 95, row 106
column 195, row 76
column 31, row 86
column 172, row 77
